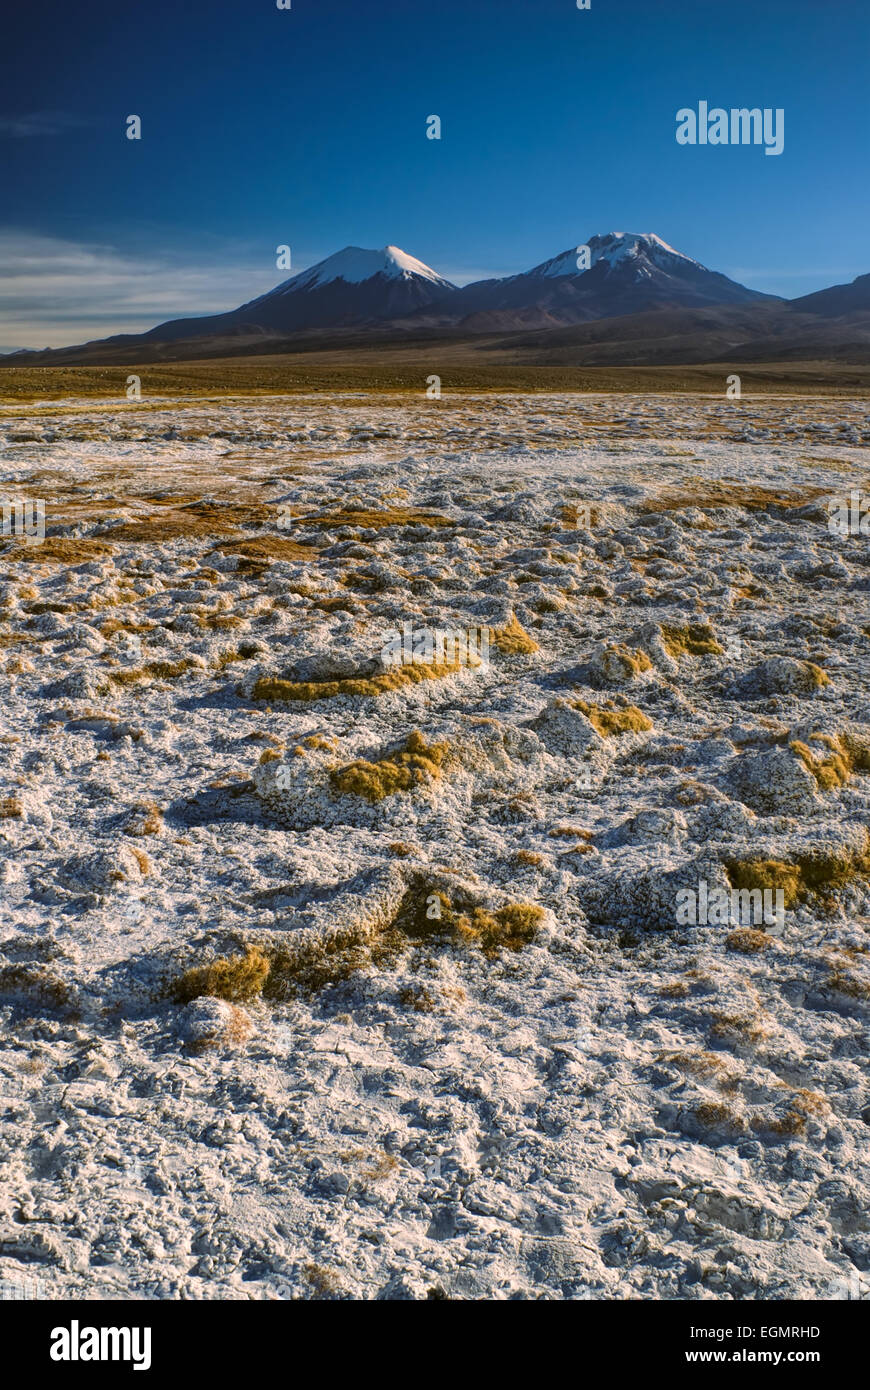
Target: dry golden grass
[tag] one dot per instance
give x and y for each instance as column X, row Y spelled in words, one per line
column 772, row 874
column 698, row 1063
column 274, row 689
column 750, row 498
column 832, row 760
column 619, row 663
column 372, row 519
column 11, row 808
column 417, row 763
column 818, row 871
column 155, row 670
column 325, row 1282
column 146, row 819
column 803, row 1106
column 268, row 548
column 61, row 550
column 142, row 860
column 235, row 980
column 609, row 719
column 419, row 998
column 235, row 1030
column 512, row 639
column 315, row 963
column 569, row 515
column 38, row 986
column 165, row 528
column 748, row 941
column 691, row 639
column 528, row 856
column 715, row 1114
column 112, row 625
column 857, row 746
column 510, row 927
column 737, row 1029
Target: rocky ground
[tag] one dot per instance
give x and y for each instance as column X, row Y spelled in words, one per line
column 321, row 978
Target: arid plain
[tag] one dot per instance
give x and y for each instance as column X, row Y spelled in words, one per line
column 322, row 978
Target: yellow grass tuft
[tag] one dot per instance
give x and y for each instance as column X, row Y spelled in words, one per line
column 235, row 980
column 61, row 550
column 155, row 670
column 418, row 763
column 609, row 720
column 690, row 639
column 512, row 639
column 146, row 819
column 828, row 759
column 273, row 688
column 620, row 663
column 372, row 519
column 748, row 941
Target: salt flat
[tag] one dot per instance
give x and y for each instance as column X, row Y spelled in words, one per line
column 325, row 979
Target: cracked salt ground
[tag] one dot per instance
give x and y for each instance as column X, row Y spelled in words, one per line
column 458, row 1045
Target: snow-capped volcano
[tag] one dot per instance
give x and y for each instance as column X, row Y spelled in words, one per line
column 354, row 264
column 630, row 249
column 352, row 288
column 358, row 294
column 627, row 273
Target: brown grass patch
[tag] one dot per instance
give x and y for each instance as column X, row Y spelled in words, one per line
column 325, row 1282
column 773, row 874
column 831, row 760
column 236, row 1030
column 750, row 498
column 690, row 639
column 714, row 1114
column 268, row 548
column 512, row 639
column 61, row 550
column 373, row 519
column 317, row 963
column 748, row 940
column 274, row 689
column 235, row 980
column 146, row 819
column 417, row 763
column 35, row 984
column 609, row 720
column 193, row 523
column 155, row 670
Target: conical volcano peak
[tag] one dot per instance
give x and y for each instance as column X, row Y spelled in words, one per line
column 356, row 264
column 614, row 249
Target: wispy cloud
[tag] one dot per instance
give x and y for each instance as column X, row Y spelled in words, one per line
column 22, row 127
column 55, row 292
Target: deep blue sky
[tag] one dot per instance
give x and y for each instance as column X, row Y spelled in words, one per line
column 307, row 127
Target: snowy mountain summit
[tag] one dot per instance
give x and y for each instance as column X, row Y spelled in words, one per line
column 384, row 291
column 636, row 252
column 353, row 288
column 355, row 264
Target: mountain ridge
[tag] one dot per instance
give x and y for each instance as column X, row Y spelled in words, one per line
column 620, row 280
